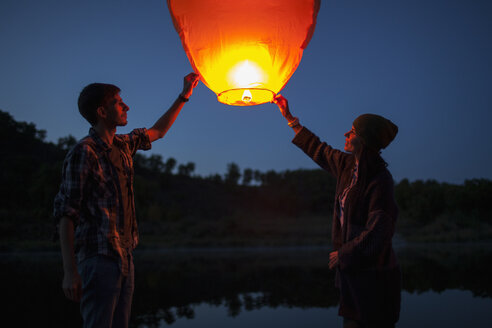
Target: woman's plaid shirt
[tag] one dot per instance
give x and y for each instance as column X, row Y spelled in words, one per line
column 90, row 195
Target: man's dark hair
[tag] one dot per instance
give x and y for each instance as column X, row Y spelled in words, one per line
column 93, row 96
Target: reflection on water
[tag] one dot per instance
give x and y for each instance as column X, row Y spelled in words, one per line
column 267, row 278
column 208, row 315
column 450, row 308
column 261, row 287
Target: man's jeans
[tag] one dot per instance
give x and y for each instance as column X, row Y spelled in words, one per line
column 106, row 293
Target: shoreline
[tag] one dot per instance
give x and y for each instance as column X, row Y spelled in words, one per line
column 163, row 249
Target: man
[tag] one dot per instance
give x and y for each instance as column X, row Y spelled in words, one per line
column 94, row 208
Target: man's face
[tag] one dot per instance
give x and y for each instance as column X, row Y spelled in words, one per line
column 116, row 111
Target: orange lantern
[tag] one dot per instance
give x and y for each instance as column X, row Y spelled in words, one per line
column 244, row 50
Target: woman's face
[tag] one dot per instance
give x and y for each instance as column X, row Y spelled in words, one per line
column 353, row 143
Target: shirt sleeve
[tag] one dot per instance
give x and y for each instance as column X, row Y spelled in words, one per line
column 75, row 170
column 330, row 159
column 138, row 139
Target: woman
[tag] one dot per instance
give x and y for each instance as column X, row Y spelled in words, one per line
column 367, row 272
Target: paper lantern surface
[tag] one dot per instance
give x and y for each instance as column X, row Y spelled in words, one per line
column 244, row 50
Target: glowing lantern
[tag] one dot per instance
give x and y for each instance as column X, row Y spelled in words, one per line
column 244, row 50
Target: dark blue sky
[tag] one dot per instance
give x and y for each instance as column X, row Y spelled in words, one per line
column 424, row 64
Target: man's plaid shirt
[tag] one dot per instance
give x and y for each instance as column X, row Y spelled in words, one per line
column 90, row 195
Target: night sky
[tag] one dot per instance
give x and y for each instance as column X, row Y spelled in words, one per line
column 424, row 64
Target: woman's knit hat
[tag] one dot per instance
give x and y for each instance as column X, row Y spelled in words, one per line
column 376, row 131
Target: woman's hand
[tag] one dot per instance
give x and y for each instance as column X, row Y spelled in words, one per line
column 333, row 259
column 283, row 106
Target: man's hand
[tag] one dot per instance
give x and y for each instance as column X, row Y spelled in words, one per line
column 190, row 82
column 72, row 285
column 333, row 259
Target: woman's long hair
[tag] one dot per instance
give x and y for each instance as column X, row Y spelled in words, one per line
column 370, row 164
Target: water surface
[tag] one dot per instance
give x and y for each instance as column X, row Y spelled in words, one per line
column 447, row 286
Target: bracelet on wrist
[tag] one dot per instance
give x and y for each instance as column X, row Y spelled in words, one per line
column 183, row 98
column 294, row 123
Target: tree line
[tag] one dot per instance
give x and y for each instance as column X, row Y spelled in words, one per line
column 240, row 205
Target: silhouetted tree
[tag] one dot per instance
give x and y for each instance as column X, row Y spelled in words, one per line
column 233, row 174
column 155, row 163
column 169, row 165
column 186, row 169
column 272, row 178
column 257, row 176
column 66, row 143
column 247, row 176
column 216, row 178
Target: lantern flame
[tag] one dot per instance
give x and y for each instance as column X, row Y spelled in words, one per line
column 247, row 97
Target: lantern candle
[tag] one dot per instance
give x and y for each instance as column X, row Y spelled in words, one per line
column 244, row 50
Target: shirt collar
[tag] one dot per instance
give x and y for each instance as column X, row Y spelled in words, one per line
column 99, row 142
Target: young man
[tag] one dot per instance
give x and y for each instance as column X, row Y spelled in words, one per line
column 94, row 208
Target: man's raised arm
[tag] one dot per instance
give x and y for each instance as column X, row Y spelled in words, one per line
column 160, row 128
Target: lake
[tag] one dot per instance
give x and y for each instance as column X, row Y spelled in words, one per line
column 446, row 285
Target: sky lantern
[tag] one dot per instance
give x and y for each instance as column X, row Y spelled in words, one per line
column 244, row 50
